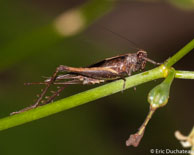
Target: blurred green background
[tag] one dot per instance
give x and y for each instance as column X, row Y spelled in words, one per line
column 30, row 49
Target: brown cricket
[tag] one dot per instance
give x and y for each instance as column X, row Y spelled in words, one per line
column 109, row 69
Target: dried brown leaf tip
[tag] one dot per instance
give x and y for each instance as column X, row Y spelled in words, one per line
column 135, row 139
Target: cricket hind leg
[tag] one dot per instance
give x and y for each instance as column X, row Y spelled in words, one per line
column 77, row 80
column 51, row 98
column 65, row 77
column 48, row 84
column 83, row 80
column 55, row 94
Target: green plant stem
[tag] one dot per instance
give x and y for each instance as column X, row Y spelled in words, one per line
column 181, row 53
column 184, row 74
column 79, row 99
column 87, row 96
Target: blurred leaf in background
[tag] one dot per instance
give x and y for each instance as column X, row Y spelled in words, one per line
column 183, row 4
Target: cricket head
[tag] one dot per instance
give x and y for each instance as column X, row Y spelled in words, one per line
column 141, row 59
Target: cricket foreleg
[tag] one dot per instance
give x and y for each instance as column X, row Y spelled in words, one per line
column 151, row 61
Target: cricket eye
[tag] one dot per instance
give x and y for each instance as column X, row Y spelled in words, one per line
column 141, row 54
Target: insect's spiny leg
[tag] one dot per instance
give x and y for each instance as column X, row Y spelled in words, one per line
column 35, row 83
column 47, row 87
column 42, row 94
column 22, row 110
column 54, row 95
column 45, row 83
column 34, row 105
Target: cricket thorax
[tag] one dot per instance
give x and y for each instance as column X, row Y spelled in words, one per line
column 141, row 62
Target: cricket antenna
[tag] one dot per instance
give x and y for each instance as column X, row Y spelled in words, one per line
column 123, row 37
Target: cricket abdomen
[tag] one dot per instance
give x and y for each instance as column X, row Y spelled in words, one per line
column 94, row 72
